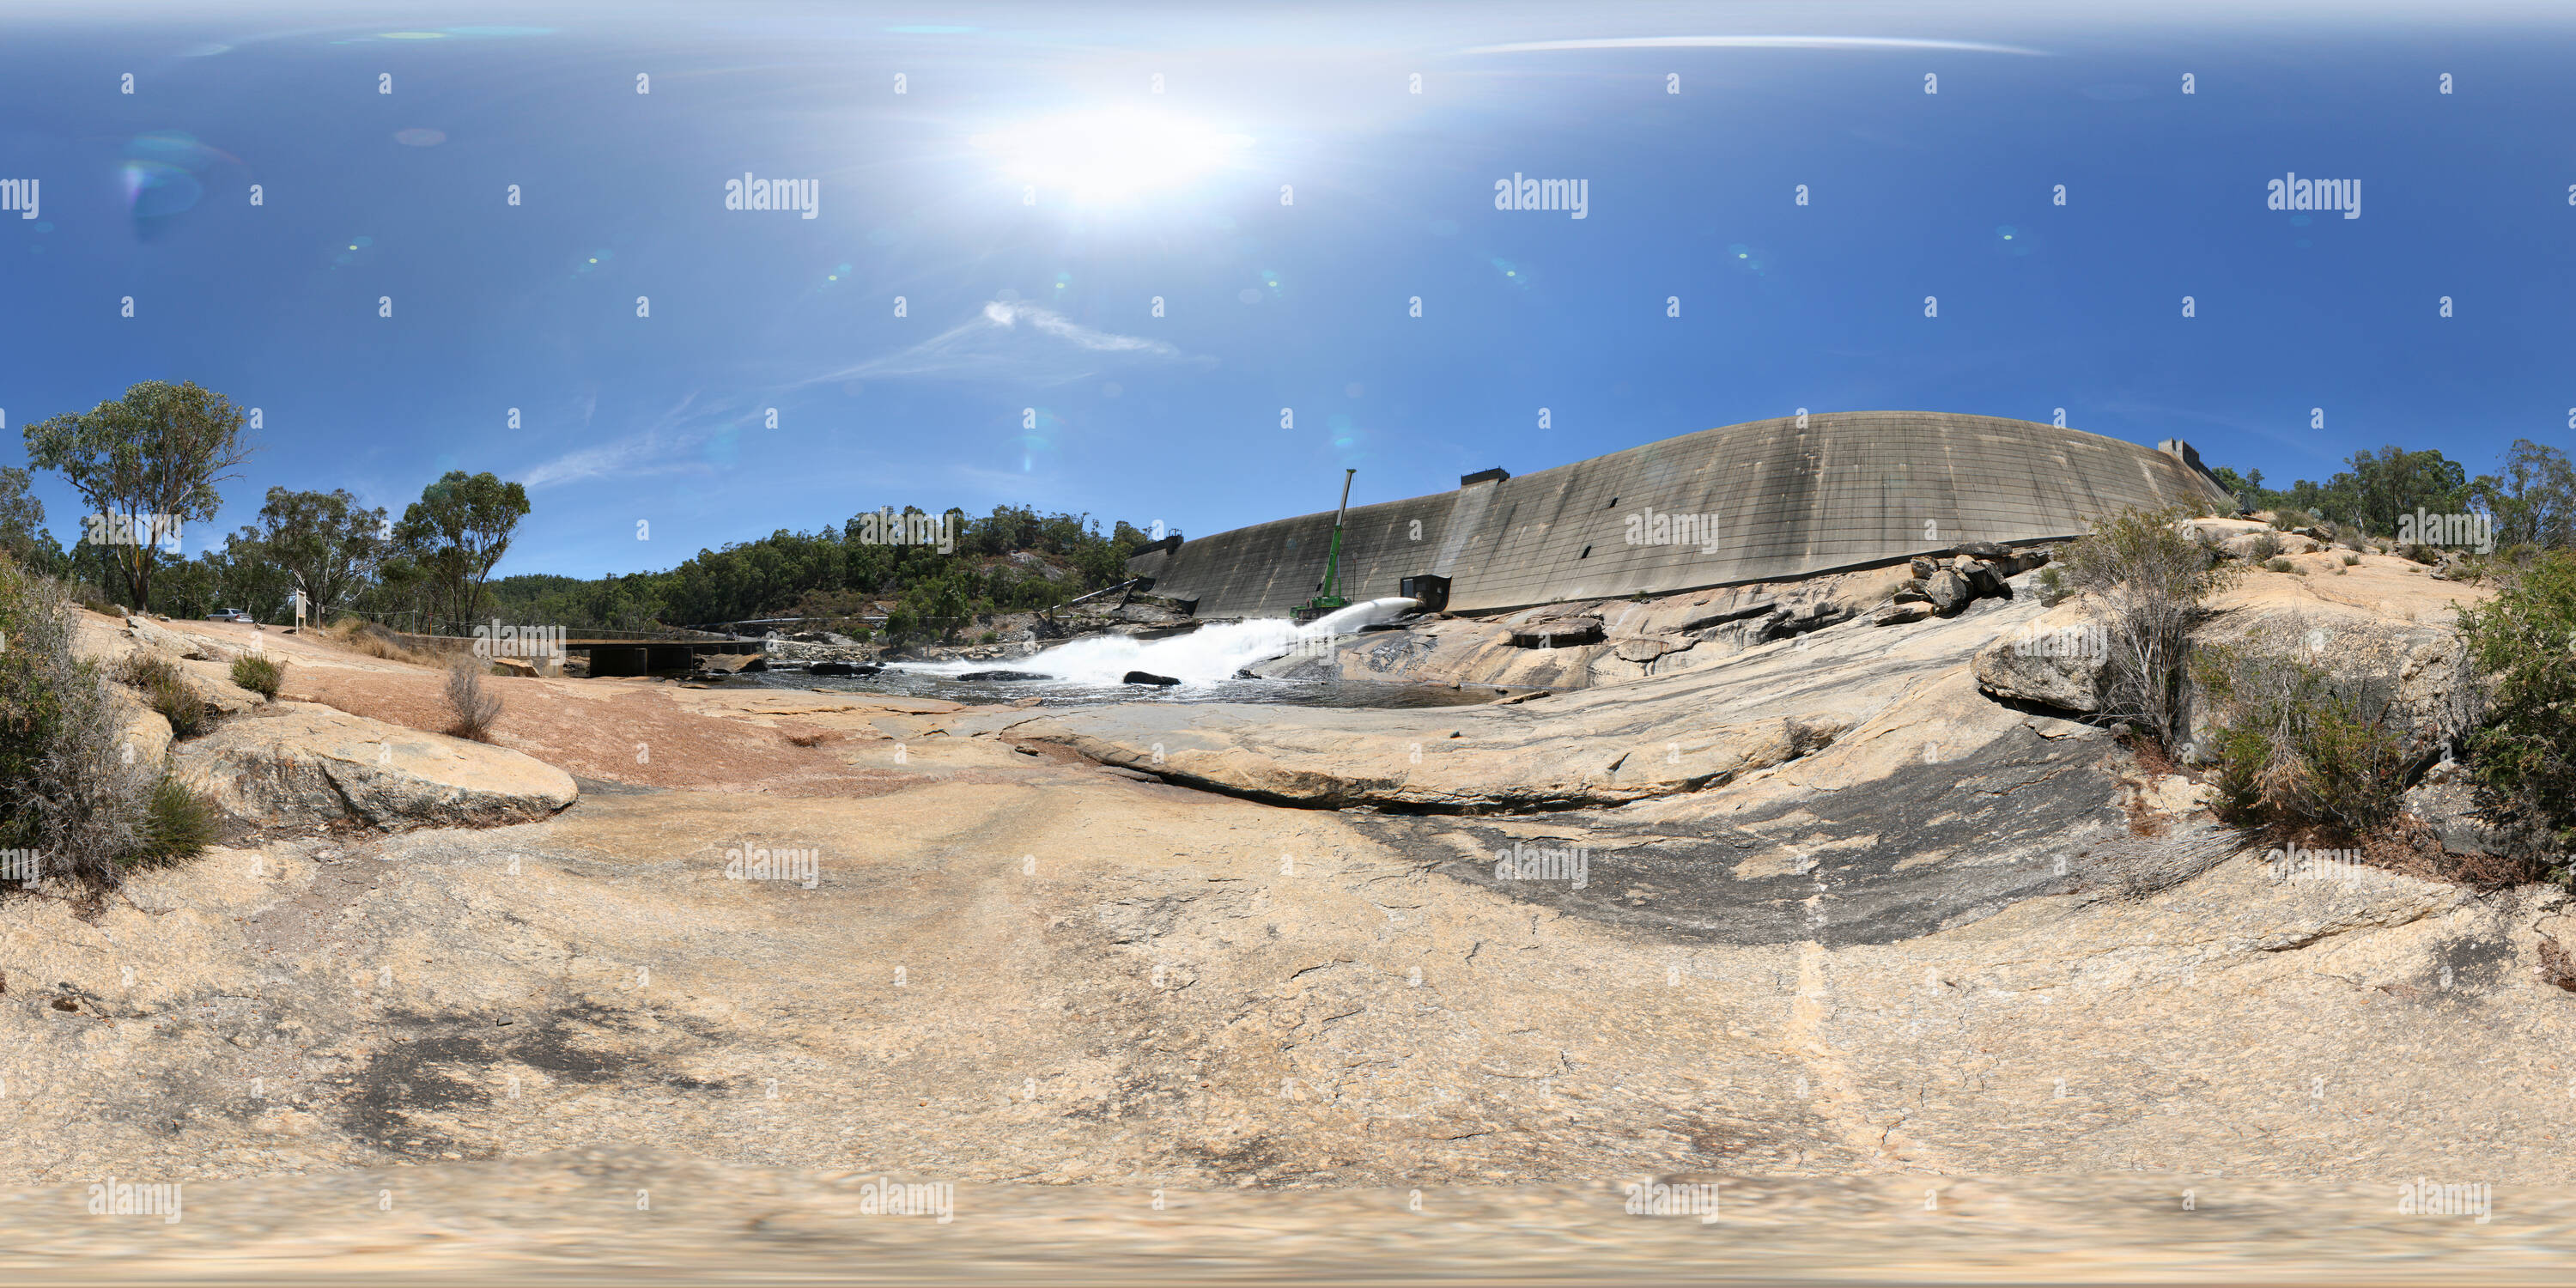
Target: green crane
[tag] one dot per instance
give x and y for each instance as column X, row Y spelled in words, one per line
column 1330, row 599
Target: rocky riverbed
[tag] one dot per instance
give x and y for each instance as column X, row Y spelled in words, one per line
column 1829, row 926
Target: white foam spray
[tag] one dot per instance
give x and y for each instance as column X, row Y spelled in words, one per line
column 1204, row 656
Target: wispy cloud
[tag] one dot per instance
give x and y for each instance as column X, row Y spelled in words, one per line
column 1757, row 42
column 663, row 447
column 1015, row 341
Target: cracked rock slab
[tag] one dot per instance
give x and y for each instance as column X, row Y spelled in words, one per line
column 304, row 763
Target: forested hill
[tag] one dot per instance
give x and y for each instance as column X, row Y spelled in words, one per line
column 1013, row 558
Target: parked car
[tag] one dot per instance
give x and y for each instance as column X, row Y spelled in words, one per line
column 228, row 615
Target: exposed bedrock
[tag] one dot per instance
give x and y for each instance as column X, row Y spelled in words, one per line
column 1656, row 737
column 1593, row 642
column 304, row 763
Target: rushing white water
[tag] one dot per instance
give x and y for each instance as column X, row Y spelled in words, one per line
column 1204, row 656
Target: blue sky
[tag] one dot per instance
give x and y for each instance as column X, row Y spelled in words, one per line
column 1019, row 312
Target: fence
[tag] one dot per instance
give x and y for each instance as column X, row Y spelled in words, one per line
column 407, row 623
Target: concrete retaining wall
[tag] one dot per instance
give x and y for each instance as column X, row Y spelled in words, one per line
column 1850, row 489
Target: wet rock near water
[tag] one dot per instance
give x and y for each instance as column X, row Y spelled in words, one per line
column 843, row 668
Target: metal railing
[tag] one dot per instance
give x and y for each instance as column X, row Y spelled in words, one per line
column 400, row 623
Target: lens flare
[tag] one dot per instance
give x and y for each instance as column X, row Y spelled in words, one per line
column 1109, row 156
column 162, row 174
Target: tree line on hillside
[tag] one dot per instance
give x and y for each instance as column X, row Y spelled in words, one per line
column 146, row 465
column 1014, row 559
column 160, row 451
column 2532, row 501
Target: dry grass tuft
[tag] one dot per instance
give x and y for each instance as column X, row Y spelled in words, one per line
column 476, row 707
column 375, row 641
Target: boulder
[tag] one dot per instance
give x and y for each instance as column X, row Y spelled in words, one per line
column 1557, row 632
column 2412, row 668
column 517, row 666
column 843, row 668
column 304, row 763
column 732, row 663
column 1014, row 675
column 2446, row 801
column 146, row 731
column 1898, row 614
column 213, row 682
column 1029, row 561
column 1148, row 677
column 2061, row 659
column 1948, row 591
column 2220, row 530
column 195, row 648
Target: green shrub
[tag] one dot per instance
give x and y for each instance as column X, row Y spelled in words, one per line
column 144, row 668
column 989, row 637
column 179, row 823
column 2263, row 546
column 259, row 673
column 2355, row 767
column 179, row 703
column 2281, row 565
column 2149, row 580
column 2349, row 559
column 2296, row 743
column 899, row 625
column 2285, row 520
column 166, row 689
column 2523, row 748
column 2245, row 758
column 940, row 604
column 2052, row 586
column 66, row 789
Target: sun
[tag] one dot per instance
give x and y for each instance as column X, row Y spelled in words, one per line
column 1109, row 156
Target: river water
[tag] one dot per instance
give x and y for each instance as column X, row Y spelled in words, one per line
column 1090, row 670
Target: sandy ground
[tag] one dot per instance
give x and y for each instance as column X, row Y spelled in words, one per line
column 633, row 1216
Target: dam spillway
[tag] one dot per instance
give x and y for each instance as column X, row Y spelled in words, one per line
column 1767, row 500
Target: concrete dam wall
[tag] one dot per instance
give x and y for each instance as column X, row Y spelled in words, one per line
column 1761, row 501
